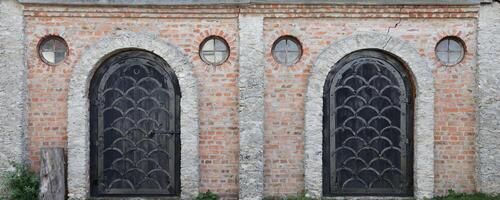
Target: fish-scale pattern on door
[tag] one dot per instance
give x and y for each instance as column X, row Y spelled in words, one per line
column 134, row 105
column 366, row 132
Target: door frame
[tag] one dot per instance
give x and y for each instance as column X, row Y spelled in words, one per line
column 78, row 108
column 420, row 73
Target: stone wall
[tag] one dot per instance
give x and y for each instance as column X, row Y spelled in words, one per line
column 488, row 138
column 12, row 83
column 252, row 109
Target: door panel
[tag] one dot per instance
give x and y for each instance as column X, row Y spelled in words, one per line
column 368, row 127
column 134, row 127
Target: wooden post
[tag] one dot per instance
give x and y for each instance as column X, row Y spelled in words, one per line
column 52, row 174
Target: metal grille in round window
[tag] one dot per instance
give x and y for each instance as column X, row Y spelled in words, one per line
column 214, row 50
column 287, row 50
column 52, row 50
column 450, row 50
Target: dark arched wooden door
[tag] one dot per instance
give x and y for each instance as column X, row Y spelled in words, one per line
column 367, row 127
column 134, row 126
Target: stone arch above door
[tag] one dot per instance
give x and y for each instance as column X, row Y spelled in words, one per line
column 424, row 107
column 78, row 108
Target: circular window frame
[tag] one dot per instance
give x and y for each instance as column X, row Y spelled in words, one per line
column 456, row 39
column 215, row 37
column 290, row 38
column 49, row 37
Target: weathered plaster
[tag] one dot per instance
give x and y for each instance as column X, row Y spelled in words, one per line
column 251, row 107
column 13, row 84
column 488, row 136
column 78, row 114
column 424, row 123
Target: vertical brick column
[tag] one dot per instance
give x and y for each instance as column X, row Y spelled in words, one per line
column 251, row 107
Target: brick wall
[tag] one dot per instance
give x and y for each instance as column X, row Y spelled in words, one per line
column 315, row 26
column 285, row 89
column 218, row 94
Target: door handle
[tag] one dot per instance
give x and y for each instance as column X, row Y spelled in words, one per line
column 153, row 133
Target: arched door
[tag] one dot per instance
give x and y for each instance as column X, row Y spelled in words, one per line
column 134, row 126
column 368, row 127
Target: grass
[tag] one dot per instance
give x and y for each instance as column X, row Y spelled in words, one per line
column 452, row 195
column 299, row 196
column 207, row 196
column 20, row 184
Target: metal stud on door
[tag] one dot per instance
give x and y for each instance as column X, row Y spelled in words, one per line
column 135, row 142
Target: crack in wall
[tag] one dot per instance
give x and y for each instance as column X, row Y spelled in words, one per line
column 397, row 23
column 393, row 27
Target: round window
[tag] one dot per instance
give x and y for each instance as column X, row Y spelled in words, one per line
column 450, row 50
column 214, row 50
column 53, row 50
column 287, row 50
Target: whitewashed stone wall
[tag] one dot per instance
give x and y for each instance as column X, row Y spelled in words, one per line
column 488, row 136
column 251, row 107
column 13, row 83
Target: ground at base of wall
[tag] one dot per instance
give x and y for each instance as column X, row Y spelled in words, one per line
column 302, row 196
column 450, row 196
column 464, row 196
column 368, row 198
column 128, row 198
